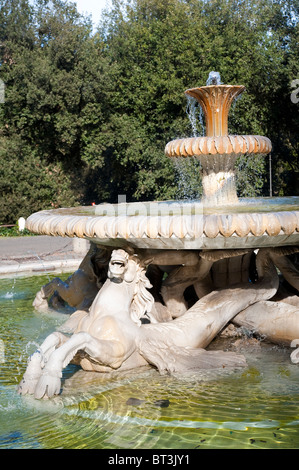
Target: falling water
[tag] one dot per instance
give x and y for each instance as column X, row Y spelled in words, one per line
column 188, row 178
column 186, row 168
column 195, row 115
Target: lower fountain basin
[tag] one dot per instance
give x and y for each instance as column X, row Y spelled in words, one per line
column 140, row 409
column 251, row 223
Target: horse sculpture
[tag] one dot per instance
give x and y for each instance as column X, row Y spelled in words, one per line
column 80, row 289
column 105, row 334
column 112, row 335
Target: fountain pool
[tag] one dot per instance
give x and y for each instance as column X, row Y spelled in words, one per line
column 256, row 407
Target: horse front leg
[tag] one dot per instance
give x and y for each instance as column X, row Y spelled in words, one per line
column 110, row 353
column 46, row 291
column 295, row 354
column 37, row 361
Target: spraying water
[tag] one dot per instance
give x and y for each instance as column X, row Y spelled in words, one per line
column 42, row 262
column 10, row 294
column 213, row 79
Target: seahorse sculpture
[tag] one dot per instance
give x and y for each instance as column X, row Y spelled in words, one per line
column 111, row 335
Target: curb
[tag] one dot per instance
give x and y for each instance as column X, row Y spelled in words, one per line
column 40, row 267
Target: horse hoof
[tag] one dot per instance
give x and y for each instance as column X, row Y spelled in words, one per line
column 47, row 386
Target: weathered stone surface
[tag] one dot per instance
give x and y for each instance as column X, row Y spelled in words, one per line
column 217, row 231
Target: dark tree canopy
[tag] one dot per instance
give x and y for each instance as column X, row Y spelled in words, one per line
column 87, row 114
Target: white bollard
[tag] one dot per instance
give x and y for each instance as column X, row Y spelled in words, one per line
column 21, row 224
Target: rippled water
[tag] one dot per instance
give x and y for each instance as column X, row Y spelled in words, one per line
column 254, row 408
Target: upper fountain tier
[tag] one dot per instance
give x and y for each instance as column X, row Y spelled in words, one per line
column 217, row 151
column 216, row 101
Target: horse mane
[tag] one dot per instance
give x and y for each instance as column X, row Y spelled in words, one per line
column 95, row 263
column 86, row 264
column 143, row 300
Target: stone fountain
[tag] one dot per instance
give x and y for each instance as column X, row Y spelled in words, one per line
column 162, row 279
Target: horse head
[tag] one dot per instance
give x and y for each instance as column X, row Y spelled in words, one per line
column 122, row 267
column 127, row 268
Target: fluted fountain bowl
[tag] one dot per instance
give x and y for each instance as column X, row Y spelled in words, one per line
column 252, row 223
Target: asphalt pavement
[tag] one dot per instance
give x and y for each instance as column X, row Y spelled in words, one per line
column 40, row 253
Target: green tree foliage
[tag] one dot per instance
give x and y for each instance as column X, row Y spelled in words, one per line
column 87, row 115
column 162, row 48
column 28, row 182
column 53, row 101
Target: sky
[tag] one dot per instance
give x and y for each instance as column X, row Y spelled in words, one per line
column 93, row 7
column 89, row 7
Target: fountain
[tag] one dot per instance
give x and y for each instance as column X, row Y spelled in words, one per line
column 162, row 279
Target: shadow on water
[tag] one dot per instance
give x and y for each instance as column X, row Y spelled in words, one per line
column 257, row 407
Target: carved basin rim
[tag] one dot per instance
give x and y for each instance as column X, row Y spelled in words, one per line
column 184, row 231
column 222, row 145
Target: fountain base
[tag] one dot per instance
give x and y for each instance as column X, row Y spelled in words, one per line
column 126, row 288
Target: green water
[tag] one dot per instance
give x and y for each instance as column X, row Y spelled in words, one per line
column 254, row 408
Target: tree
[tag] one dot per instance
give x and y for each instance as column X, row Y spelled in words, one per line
column 26, row 184
column 162, row 48
column 53, row 100
column 94, row 112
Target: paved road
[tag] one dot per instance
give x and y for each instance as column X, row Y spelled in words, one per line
column 31, row 247
column 40, row 253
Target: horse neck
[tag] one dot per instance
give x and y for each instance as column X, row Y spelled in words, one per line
column 113, row 297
